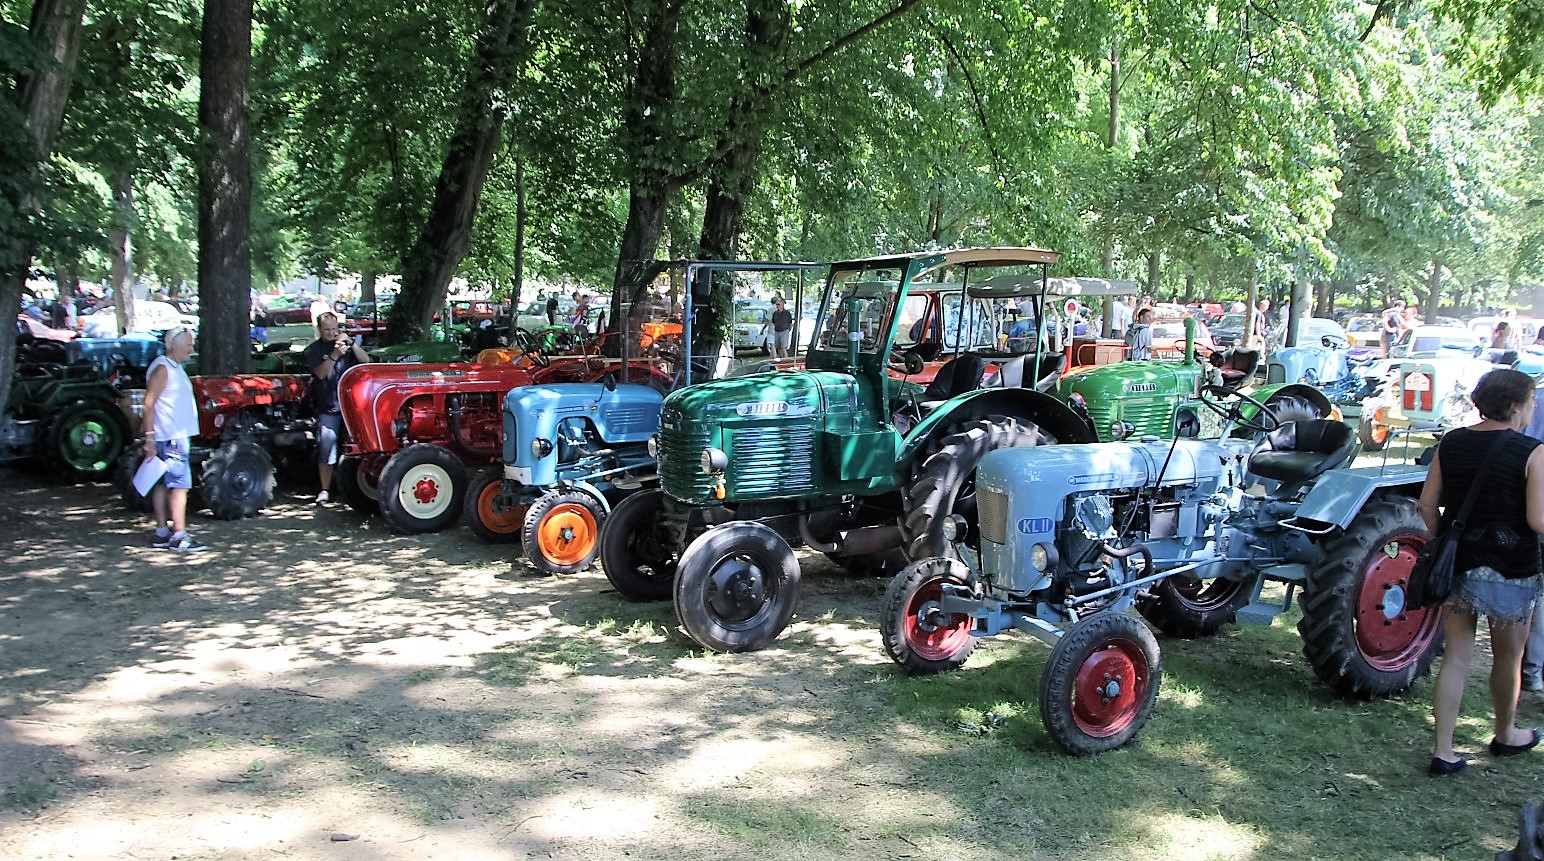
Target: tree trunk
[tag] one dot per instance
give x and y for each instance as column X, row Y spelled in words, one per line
column 1252, row 307
column 121, row 248
column 54, row 31
column 1434, row 290
column 1190, row 288
column 367, row 281
column 225, row 188
column 1155, row 275
column 1111, row 138
column 429, row 264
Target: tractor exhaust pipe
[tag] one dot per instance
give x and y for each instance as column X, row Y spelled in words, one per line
column 853, row 542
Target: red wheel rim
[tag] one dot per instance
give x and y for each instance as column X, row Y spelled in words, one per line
column 937, row 638
column 499, row 522
column 567, row 534
column 1110, row 685
column 425, row 490
column 1380, row 431
column 1390, row 635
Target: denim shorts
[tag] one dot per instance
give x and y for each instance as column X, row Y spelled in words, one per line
column 1484, row 592
column 174, row 452
column 329, row 438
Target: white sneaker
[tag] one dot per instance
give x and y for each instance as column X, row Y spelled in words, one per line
column 322, row 498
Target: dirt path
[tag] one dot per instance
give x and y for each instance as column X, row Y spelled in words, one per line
column 312, row 677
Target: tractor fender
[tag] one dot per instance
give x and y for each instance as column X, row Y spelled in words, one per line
column 1340, row 494
column 1055, row 417
column 1266, row 394
column 591, row 490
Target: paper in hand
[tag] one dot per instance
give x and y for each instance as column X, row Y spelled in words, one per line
column 150, row 471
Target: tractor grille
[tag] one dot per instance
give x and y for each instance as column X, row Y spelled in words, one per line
column 680, row 465
column 772, row 461
column 1154, row 417
column 992, row 511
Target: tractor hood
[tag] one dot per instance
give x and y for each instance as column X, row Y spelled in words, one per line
column 1129, row 379
column 775, row 394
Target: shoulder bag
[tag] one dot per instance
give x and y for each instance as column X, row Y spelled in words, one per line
column 1433, row 575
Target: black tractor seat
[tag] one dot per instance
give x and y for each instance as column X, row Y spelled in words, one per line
column 1236, row 364
column 1302, row 451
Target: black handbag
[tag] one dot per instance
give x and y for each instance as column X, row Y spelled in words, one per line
column 1434, row 573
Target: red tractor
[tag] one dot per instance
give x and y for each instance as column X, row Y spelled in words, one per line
column 245, row 421
column 415, row 429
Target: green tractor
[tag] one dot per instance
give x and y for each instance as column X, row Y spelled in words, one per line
column 847, row 455
column 67, row 417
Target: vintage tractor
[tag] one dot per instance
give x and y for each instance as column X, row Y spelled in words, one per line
column 1188, row 532
column 570, row 449
column 415, row 429
column 1422, row 395
column 245, row 423
column 66, row 417
column 838, row 456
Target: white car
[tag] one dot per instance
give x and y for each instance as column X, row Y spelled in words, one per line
column 148, row 317
column 752, row 325
column 1424, row 342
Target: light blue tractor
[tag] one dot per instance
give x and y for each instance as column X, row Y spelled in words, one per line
column 569, row 448
column 1188, row 532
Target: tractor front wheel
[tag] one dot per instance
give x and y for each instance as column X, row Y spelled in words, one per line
column 1372, row 430
column 489, row 514
column 637, row 551
column 561, row 533
column 1187, row 607
column 737, row 587
column 917, row 634
column 1100, row 684
column 946, row 484
column 85, row 439
column 237, row 480
column 422, row 489
column 358, row 483
column 1358, row 634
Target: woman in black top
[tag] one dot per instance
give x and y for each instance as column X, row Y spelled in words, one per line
column 1498, row 556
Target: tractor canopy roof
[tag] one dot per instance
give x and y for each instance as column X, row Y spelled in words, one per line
column 961, row 257
column 1012, row 285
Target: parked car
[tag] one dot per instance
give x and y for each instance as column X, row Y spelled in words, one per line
column 1169, row 337
column 149, row 316
column 1432, row 341
column 1525, row 328
column 1229, row 331
column 1312, row 331
column 1365, row 330
column 752, row 328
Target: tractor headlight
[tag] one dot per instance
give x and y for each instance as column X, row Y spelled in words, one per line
column 541, row 447
column 653, row 446
column 1077, row 400
column 954, row 528
column 714, row 461
column 1039, row 557
column 1119, row 430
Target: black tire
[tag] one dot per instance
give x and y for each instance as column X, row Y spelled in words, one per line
column 84, row 440
column 353, row 479
column 637, row 552
column 561, row 533
column 237, row 481
column 1373, row 434
column 1100, row 684
column 916, row 635
column 1357, row 633
column 946, row 484
column 123, row 480
column 1187, row 607
column 487, row 515
column 737, row 587
column 422, row 489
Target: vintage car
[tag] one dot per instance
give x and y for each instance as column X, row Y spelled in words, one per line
column 1365, row 330
column 1422, row 342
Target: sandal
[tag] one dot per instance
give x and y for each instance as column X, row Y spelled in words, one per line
column 1499, row 749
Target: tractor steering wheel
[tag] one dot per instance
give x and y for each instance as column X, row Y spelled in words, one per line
column 908, row 363
column 527, row 345
column 1264, row 420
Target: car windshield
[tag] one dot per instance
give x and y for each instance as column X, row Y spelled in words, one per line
column 859, row 304
column 753, row 314
column 1231, row 321
column 1363, row 324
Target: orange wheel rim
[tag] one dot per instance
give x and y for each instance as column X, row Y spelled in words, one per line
column 499, row 522
column 1380, row 431
column 567, row 534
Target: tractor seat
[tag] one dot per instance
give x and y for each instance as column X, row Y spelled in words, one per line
column 1008, row 374
column 1049, row 372
column 1236, row 364
column 959, row 375
column 1301, row 451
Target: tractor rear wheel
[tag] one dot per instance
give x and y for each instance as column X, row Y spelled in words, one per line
column 1187, row 607
column 1357, row 633
column 1372, row 431
column 1100, row 684
column 422, row 489
column 561, row 533
column 946, row 483
column 237, row 480
column 357, row 480
column 84, row 440
column 637, row 551
column 494, row 520
column 917, row 635
column 737, row 587
column 123, row 480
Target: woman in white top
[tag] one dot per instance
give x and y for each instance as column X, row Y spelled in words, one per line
column 170, row 422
